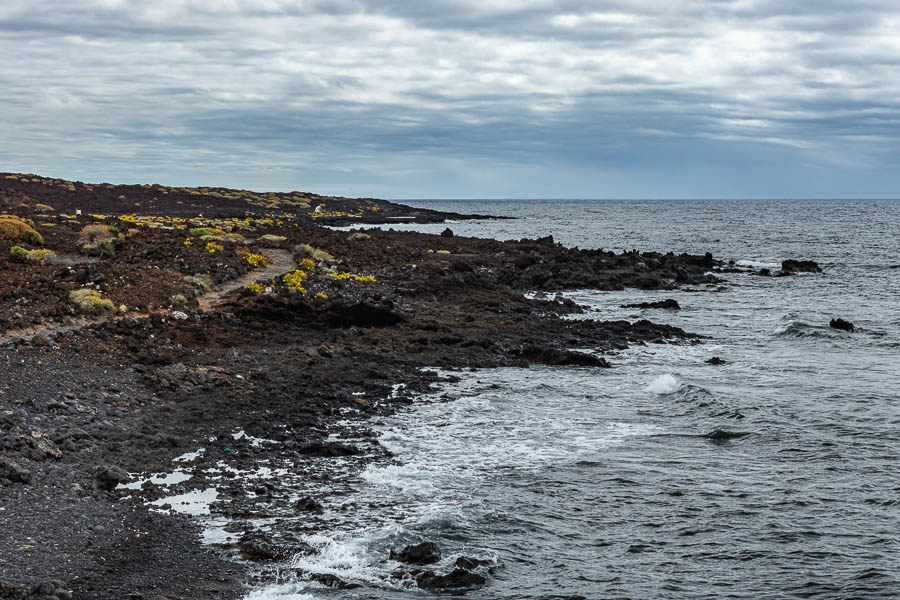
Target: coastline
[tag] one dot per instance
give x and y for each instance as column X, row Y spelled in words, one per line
column 84, row 406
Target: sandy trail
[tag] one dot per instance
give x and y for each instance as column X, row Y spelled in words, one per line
column 279, row 262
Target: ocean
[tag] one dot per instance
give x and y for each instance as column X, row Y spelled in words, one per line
column 589, row 483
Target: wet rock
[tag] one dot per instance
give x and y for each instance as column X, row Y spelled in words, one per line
column 800, row 266
column 459, row 578
column 308, row 504
column 764, row 272
column 12, row 471
column 668, row 304
column 470, row 564
column 426, row 553
column 333, row 581
column 107, row 477
column 715, row 360
column 447, row 233
column 842, row 325
column 328, row 449
column 720, row 435
column 257, row 545
column 551, row 356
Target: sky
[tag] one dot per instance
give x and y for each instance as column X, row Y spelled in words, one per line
column 458, row 99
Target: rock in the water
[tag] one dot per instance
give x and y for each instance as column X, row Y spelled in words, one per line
column 107, row 477
column 425, row 553
column 333, row 581
column 720, row 435
column 13, row 471
column 764, row 272
column 328, row 449
column 715, row 360
column 308, row 504
column 256, row 545
column 842, row 325
column 551, row 356
column 668, row 303
column 800, row 266
column 459, row 578
column 470, row 564
column 447, row 233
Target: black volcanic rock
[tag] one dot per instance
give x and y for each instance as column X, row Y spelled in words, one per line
column 842, row 325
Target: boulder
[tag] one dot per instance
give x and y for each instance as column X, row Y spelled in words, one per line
column 308, row 504
column 551, row 356
column 842, row 325
column 459, row 578
column 668, row 304
column 107, row 477
column 800, row 266
column 426, row 553
column 13, row 471
column 715, row 360
column 447, row 233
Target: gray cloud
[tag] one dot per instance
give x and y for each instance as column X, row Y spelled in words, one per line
column 465, row 98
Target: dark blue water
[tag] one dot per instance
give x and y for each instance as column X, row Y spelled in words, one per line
column 595, row 483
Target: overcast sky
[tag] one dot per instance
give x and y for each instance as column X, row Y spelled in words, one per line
column 458, row 99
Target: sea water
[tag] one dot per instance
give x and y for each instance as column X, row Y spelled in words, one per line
column 601, row 483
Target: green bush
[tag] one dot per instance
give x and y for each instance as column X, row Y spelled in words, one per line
column 92, row 302
column 272, row 238
column 316, row 254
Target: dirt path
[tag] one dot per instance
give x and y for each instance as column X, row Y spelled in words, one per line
column 279, row 262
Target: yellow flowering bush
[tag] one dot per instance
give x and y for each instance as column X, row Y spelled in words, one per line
column 293, row 279
column 255, row 287
column 255, row 260
column 213, row 247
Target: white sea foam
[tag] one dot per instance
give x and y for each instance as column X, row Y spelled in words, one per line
column 285, row 591
column 757, row 264
column 350, row 559
column 664, row 384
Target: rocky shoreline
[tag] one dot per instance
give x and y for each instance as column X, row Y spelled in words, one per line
column 258, row 368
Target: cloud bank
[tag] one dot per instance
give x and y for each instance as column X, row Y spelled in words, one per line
column 488, row 98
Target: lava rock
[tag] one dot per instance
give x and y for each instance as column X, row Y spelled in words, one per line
column 764, row 272
column 720, row 435
column 668, row 304
column 551, row 356
column 459, row 578
column 308, row 504
column 426, row 553
column 13, row 471
column 800, row 266
column 107, row 477
column 470, row 564
column 328, row 449
column 842, row 325
column 333, row 581
column 447, row 233
column 715, row 360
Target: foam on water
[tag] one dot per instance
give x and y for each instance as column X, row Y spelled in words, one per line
column 664, row 384
column 191, row 503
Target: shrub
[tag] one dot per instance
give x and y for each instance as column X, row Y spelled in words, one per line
column 255, row 287
column 40, row 255
column 98, row 238
column 307, row 265
column 272, row 238
column 316, row 254
column 91, row 301
column 202, row 282
column 294, row 280
column 233, row 237
column 211, row 231
column 255, row 260
column 213, row 247
column 16, row 228
column 358, row 237
column 321, row 296
column 178, row 301
column 44, row 207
